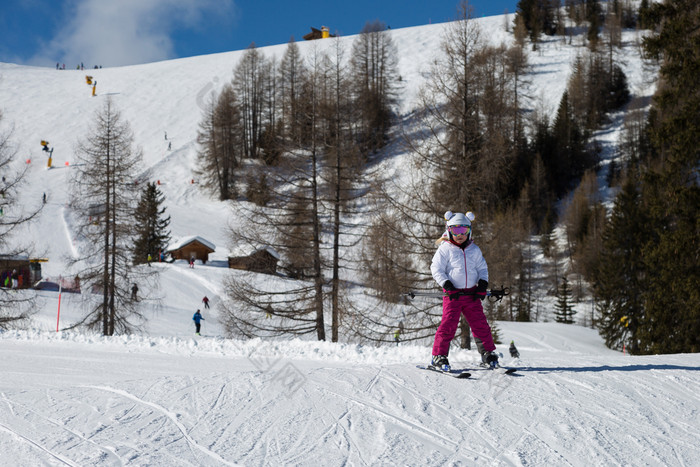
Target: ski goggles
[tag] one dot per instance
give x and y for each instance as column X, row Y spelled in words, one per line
column 460, row 229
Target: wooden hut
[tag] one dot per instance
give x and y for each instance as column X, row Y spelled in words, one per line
column 192, row 248
column 322, row 33
column 260, row 260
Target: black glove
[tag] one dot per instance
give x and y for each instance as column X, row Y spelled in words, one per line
column 481, row 289
column 450, row 289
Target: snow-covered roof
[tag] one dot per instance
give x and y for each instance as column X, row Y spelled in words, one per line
column 185, row 240
column 250, row 250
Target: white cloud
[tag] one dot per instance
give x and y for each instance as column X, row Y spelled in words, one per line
column 113, row 33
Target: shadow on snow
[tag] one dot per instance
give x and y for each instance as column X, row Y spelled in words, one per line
column 610, row 368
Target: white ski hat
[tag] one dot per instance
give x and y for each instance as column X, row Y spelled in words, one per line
column 459, row 218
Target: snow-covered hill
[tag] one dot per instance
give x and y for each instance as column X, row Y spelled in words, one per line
column 166, row 99
column 162, row 397
column 72, row 399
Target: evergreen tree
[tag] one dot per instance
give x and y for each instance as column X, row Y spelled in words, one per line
column 571, row 158
column 538, row 17
column 594, row 17
column 645, row 19
column 564, row 309
column 620, row 278
column 670, row 189
column 152, row 235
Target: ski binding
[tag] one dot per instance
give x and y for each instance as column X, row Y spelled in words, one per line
column 505, row 370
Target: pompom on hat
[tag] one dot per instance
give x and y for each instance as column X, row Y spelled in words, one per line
column 452, row 219
column 459, row 218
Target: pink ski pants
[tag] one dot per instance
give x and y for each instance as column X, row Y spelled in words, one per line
column 473, row 312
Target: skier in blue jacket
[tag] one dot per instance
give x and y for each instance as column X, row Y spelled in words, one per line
column 197, row 318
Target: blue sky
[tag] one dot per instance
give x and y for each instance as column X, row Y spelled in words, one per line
column 125, row 32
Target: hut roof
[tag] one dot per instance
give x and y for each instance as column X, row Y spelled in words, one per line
column 250, row 250
column 176, row 245
column 5, row 257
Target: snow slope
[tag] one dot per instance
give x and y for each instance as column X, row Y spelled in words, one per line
column 164, row 398
column 74, row 399
column 166, row 99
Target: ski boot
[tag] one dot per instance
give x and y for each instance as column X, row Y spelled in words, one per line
column 440, row 362
column 490, row 360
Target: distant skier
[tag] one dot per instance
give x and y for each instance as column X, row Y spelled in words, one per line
column 15, row 279
column 134, row 292
column 197, row 318
column 397, row 336
column 205, row 300
column 459, row 267
column 513, row 351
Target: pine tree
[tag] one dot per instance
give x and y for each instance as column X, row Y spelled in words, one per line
column 564, row 310
column 670, row 189
column 152, row 235
column 571, row 158
column 593, row 15
column 620, row 278
column 538, row 17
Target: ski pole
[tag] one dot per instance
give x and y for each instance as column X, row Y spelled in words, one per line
column 494, row 295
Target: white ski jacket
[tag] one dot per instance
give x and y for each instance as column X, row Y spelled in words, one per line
column 463, row 268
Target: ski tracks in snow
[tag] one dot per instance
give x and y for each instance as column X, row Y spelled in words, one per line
column 613, row 413
column 38, row 446
column 359, row 414
column 39, row 431
column 173, row 419
column 425, row 429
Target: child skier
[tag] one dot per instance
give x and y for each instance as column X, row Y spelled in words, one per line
column 460, row 269
column 197, row 318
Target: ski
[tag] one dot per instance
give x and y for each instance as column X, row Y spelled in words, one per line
column 461, row 374
column 504, row 370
